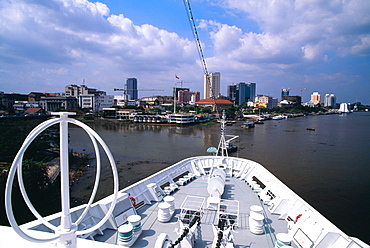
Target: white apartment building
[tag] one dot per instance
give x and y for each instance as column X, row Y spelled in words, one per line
column 212, row 83
column 95, row 102
column 330, row 100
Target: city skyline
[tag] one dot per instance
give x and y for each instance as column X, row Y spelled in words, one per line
column 321, row 46
column 247, row 88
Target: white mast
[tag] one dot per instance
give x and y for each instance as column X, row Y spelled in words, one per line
column 222, row 146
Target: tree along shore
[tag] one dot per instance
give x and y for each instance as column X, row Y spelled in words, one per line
column 40, row 167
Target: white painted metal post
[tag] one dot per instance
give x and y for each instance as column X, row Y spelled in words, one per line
column 67, row 231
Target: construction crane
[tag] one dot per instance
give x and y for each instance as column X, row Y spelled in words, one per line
column 300, row 89
column 193, row 27
column 183, row 83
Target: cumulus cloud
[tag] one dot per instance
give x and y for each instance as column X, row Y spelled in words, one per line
column 317, row 26
column 58, row 41
column 85, row 33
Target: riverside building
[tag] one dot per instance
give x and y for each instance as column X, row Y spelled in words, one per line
column 131, row 89
column 212, row 83
column 245, row 92
column 330, row 100
column 316, row 98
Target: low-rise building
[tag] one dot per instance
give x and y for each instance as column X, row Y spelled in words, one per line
column 262, row 101
column 95, row 102
column 110, row 113
column 293, row 100
column 36, row 96
column 158, row 100
column 57, row 103
column 33, row 111
column 8, row 99
column 21, row 106
column 124, row 114
column 215, row 104
column 74, row 90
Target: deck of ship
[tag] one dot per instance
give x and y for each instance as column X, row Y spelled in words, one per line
column 235, row 189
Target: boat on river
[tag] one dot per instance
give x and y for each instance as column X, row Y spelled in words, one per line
column 201, row 201
column 248, row 124
column 279, row 117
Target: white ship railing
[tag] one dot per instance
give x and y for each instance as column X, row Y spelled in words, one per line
column 66, row 233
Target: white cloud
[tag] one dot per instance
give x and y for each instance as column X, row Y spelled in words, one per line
column 362, row 46
column 81, row 31
column 323, row 25
column 86, row 39
column 64, row 41
column 59, row 71
column 310, row 52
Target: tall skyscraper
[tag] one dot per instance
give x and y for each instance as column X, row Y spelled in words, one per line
column 252, row 91
column 231, row 92
column 330, row 100
column 316, row 98
column 212, row 83
column 245, row 92
column 131, row 89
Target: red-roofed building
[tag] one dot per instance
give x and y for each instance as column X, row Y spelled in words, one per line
column 33, row 111
column 215, row 104
column 36, row 96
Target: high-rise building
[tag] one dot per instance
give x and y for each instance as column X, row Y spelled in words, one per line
column 245, row 92
column 212, row 83
column 231, row 92
column 284, row 92
column 176, row 90
column 252, row 91
column 330, row 100
column 316, row 98
column 131, row 89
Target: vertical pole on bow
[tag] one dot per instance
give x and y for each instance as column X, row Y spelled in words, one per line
column 67, row 230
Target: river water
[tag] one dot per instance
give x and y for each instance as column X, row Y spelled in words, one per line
column 328, row 167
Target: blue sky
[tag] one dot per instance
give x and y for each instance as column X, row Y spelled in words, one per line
column 320, row 45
